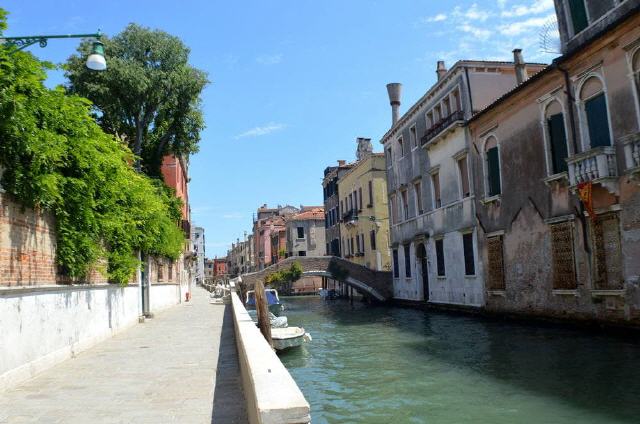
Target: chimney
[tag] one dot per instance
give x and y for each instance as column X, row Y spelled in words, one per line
column 395, row 90
column 521, row 68
column 342, row 162
column 441, row 70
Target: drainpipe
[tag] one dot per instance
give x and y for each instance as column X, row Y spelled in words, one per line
column 574, row 140
column 466, row 73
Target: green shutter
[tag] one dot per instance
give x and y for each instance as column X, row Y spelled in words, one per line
column 558, row 143
column 493, row 165
column 596, row 109
column 578, row 15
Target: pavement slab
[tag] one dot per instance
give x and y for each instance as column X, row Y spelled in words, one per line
column 179, row 367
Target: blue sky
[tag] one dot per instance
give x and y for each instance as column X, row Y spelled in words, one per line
column 294, row 82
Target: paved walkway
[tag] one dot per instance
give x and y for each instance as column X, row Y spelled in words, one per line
column 180, row 367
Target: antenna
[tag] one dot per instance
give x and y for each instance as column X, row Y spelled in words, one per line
column 550, row 37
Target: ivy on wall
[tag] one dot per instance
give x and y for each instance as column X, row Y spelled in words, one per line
column 57, row 159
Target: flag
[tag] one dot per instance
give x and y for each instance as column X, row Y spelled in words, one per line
column 584, row 192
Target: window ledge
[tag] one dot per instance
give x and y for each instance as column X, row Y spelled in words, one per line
column 501, row 293
column 493, row 199
column 471, row 276
column 561, row 178
column 602, row 293
column 442, row 277
column 563, row 292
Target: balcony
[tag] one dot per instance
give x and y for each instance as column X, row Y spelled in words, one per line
column 350, row 216
column 597, row 166
column 632, row 154
column 186, row 228
column 441, row 126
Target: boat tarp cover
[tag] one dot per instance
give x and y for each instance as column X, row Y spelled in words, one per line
column 271, row 298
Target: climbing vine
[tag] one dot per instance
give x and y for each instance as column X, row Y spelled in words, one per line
column 55, row 158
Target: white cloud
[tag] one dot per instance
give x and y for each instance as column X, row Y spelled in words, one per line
column 437, row 18
column 272, row 59
column 260, row 131
column 479, row 33
column 535, row 8
column 474, row 13
column 519, row 27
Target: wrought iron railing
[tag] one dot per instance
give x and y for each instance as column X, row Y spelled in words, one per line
column 441, row 125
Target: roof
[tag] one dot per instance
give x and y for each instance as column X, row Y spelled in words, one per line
column 441, row 82
column 311, row 214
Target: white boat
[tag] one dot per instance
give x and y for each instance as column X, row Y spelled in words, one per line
column 285, row 338
column 276, row 322
column 273, row 300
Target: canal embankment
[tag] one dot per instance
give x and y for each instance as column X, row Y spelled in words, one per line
column 272, row 395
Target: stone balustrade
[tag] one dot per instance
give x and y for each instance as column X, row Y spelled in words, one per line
column 595, row 165
column 632, row 152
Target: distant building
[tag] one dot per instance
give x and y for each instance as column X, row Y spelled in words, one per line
column 209, row 272
column 240, row 256
column 332, row 175
column 270, row 221
column 220, row 267
column 197, row 238
column 305, row 232
column 364, row 215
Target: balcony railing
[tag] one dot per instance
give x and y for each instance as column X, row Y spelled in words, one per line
column 351, row 215
column 632, row 152
column 442, row 125
column 597, row 165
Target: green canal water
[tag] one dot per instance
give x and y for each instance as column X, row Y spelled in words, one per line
column 393, row 365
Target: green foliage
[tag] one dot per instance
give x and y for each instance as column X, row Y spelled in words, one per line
column 149, row 95
column 284, row 279
column 339, row 272
column 57, row 159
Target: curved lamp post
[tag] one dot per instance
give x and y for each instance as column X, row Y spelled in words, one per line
column 95, row 61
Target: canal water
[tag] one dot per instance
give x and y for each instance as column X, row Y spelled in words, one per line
column 393, row 365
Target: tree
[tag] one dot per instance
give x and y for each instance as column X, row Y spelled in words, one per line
column 284, row 279
column 149, row 95
column 55, row 158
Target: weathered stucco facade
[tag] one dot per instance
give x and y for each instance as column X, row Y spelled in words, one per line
column 431, row 194
column 576, row 123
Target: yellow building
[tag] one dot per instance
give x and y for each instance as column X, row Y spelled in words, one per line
column 364, row 214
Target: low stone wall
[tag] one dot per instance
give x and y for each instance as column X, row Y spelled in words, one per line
column 42, row 326
column 273, row 397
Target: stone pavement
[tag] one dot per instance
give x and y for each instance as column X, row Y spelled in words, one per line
column 180, row 367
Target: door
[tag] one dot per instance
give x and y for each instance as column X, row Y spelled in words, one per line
column 145, row 286
column 421, row 254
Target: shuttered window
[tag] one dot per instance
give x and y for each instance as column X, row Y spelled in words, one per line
column 440, row 257
column 467, row 247
column 407, row 261
column 372, row 236
column 564, row 276
column 578, row 15
column 495, row 263
column 493, row 171
column 558, row 143
column 596, row 110
column 396, row 269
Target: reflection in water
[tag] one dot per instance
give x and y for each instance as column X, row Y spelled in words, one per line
column 392, row 365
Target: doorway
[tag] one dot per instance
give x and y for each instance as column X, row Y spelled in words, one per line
column 421, row 254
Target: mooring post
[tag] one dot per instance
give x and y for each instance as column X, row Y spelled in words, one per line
column 262, row 309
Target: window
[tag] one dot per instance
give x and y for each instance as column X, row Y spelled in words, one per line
column 417, row 188
column 492, row 167
column 401, row 147
column 160, row 276
column 360, row 198
column 557, row 138
column 578, row 13
column 362, row 243
column 564, row 275
column 372, row 237
column 396, row 269
column 595, row 112
column 394, row 209
column 388, row 158
column 429, row 120
column 413, row 136
column 355, row 200
column 358, row 243
column 605, row 233
column 350, row 202
column 300, row 232
column 463, row 170
column 496, row 263
column 170, row 268
column 302, row 253
column 351, row 248
column 370, row 193
column 440, row 257
column 341, row 207
column 635, row 69
column 407, row 261
column 467, row 247
column 405, row 204
column 435, row 180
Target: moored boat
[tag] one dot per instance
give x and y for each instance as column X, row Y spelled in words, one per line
column 273, row 300
column 285, row 338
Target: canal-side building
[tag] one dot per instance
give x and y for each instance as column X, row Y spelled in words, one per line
column 364, row 214
column 268, row 249
column 305, row 232
column 240, row 256
column 574, row 127
column 332, row 175
column 197, row 238
column 431, row 195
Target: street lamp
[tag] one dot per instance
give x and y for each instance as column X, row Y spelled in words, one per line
column 95, row 61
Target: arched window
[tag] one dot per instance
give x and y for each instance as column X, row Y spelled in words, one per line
column 595, row 115
column 492, row 166
column 557, row 137
column 635, row 68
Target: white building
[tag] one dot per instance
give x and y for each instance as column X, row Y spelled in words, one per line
column 197, row 238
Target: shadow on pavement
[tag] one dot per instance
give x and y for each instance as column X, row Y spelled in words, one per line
column 229, row 405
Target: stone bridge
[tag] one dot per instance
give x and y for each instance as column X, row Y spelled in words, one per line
column 372, row 284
